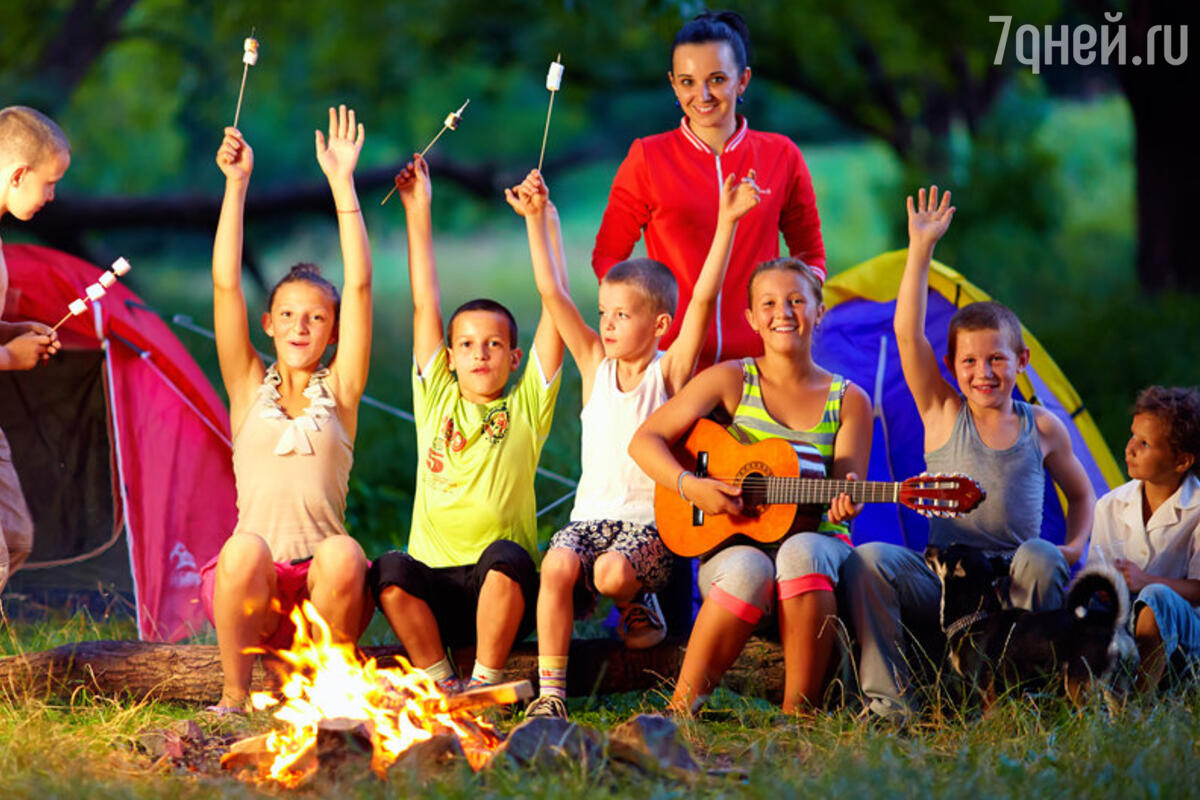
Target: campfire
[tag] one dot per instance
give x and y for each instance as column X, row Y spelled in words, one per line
column 328, row 692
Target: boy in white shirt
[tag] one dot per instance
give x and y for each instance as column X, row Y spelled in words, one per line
column 1149, row 528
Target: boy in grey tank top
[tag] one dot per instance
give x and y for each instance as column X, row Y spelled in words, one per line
column 975, row 427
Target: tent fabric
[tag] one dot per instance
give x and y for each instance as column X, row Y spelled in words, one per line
column 856, row 340
column 169, row 434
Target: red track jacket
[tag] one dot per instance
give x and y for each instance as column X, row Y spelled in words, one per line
column 668, row 185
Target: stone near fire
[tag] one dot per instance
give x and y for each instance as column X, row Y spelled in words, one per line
column 651, row 742
column 428, row 759
column 545, row 742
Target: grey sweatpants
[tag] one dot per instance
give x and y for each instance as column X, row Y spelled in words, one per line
column 888, row 590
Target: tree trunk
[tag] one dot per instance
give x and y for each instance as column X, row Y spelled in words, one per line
column 192, row 673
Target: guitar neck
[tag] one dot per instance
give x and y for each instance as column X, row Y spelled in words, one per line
column 806, row 491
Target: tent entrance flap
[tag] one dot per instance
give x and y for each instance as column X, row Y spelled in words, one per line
column 56, row 420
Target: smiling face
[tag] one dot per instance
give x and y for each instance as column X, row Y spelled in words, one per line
column 29, row 188
column 301, row 322
column 784, row 309
column 986, row 365
column 629, row 325
column 482, row 353
column 1149, row 455
column 707, row 83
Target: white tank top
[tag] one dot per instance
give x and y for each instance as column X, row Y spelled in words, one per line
column 611, row 485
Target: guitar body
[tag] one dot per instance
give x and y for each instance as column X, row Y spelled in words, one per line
column 732, row 462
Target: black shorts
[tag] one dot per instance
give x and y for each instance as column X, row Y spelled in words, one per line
column 452, row 593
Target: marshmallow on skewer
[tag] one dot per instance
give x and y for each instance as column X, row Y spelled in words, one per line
column 554, row 75
column 450, row 123
column 94, row 292
column 77, row 307
column 121, row 266
column 250, row 51
column 553, row 83
column 107, row 279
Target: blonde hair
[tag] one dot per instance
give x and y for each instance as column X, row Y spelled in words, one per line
column 28, row 135
column 786, row 264
column 652, row 278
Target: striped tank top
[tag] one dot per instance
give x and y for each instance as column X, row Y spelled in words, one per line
column 814, row 447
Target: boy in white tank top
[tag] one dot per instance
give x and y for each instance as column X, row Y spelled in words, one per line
column 611, row 546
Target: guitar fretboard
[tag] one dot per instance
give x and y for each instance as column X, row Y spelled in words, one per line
column 807, row 491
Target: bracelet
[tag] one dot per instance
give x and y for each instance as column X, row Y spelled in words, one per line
column 354, row 210
column 679, row 483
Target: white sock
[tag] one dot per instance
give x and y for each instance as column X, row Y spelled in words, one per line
column 485, row 676
column 440, row 671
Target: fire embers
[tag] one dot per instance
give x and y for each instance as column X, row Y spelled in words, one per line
column 331, row 705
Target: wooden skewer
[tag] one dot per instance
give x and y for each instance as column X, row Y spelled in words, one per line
column 59, row 324
column 549, row 111
column 245, row 71
column 445, row 127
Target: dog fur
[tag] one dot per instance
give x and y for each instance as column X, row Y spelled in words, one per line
column 996, row 648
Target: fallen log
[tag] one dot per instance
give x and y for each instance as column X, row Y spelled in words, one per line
column 191, row 673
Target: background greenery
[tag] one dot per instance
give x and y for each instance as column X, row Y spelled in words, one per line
column 881, row 96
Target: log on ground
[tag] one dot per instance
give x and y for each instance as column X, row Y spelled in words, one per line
column 191, row 673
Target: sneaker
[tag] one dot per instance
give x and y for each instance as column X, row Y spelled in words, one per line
column 449, row 686
column 641, row 624
column 547, row 706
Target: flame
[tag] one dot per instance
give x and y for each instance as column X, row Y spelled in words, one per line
column 325, row 680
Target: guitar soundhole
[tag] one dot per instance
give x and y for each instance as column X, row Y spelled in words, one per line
column 754, row 490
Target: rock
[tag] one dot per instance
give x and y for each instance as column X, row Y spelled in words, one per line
column 545, row 742
column 651, row 743
column 428, row 759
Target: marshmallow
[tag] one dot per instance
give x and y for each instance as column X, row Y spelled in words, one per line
column 77, row 307
column 451, row 121
column 95, row 291
column 250, row 51
column 121, row 266
column 554, row 76
column 107, row 279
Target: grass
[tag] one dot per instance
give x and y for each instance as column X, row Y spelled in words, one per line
column 1023, row 747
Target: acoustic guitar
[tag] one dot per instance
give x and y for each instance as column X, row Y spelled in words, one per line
column 776, row 499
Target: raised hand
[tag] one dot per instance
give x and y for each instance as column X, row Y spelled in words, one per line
column 928, row 220
column 413, row 184
column 530, row 196
column 234, row 157
column 339, row 155
column 738, row 197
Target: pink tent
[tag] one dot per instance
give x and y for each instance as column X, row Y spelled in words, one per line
column 118, row 439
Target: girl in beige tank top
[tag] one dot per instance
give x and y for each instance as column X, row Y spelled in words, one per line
column 293, row 423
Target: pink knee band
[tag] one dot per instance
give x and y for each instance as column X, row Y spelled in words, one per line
column 844, row 537
column 744, row 611
column 794, row 587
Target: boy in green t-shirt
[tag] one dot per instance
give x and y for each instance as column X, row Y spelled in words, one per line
column 469, row 573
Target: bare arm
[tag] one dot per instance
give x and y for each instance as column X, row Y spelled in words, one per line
column 338, row 158
column 531, row 200
column 416, row 193
column 241, row 369
column 935, row 398
column 679, row 362
column 651, row 444
column 1068, row 473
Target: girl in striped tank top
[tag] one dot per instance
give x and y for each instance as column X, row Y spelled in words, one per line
column 782, row 393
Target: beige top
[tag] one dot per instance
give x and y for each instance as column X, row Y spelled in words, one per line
column 292, row 474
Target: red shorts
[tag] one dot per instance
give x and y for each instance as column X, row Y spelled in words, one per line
column 291, row 582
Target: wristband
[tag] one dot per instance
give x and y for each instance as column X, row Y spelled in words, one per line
column 679, row 483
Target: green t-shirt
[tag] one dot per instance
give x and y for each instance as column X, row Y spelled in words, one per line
column 477, row 464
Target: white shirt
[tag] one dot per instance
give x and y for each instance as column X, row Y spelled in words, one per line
column 1167, row 546
column 611, row 485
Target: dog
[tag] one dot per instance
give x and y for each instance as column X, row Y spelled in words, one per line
column 997, row 648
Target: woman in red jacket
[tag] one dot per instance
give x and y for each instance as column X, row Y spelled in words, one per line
column 668, row 185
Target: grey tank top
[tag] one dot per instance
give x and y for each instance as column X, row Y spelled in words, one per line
column 1013, row 479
